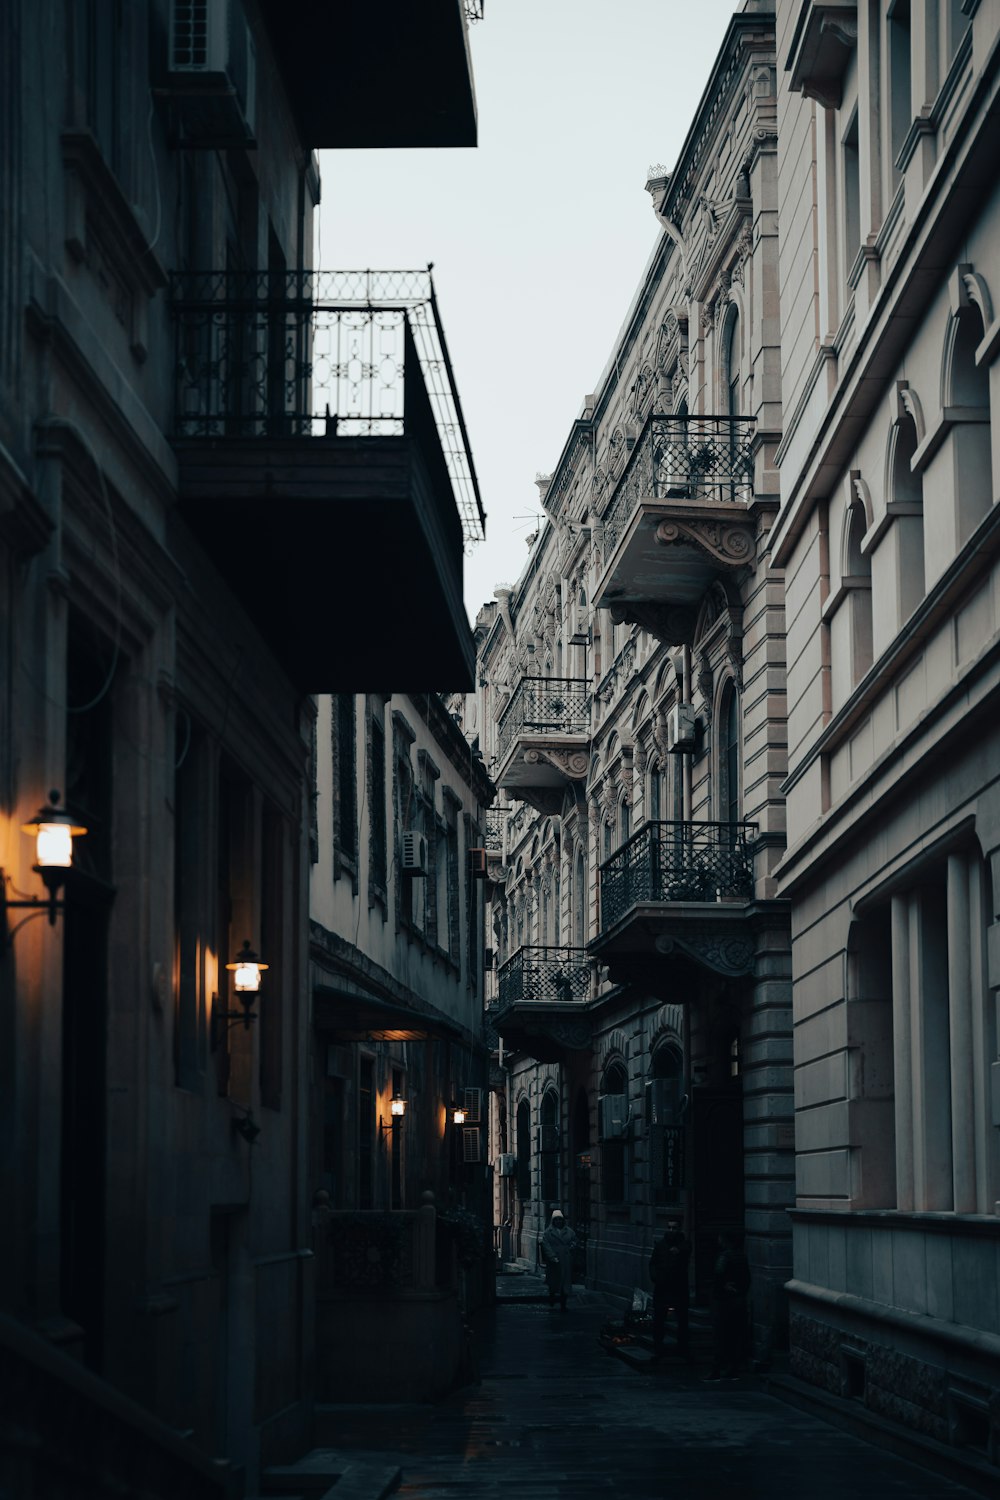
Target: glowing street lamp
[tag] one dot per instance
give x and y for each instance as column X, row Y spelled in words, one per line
column 53, row 830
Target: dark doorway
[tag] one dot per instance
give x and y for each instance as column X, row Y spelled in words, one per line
column 88, row 899
column 582, row 1175
column 718, row 1175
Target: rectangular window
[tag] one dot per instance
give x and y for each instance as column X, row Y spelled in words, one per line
column 377, row 826
column 366, row 1132
column 345, row 812
column 189, row 813
column 272, row 932
column 852, row 196
column 900, row 103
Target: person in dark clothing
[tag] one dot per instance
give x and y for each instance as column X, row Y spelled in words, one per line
column 668, row 1270
column 557, row 1246
column 730, row 1306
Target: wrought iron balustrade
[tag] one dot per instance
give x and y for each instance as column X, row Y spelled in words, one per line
column 678, row 862
column 318, row 354
column 544, row 705
column 496, row 818
column 683, row 458
column 539, row 972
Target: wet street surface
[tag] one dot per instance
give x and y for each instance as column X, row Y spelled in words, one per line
column 554, row 1415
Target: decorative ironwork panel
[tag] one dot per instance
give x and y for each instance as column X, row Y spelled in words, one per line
column 371, row 1249
column 316, row 354
column 545, row 973
column 496, row 817
column 544, row 705
column 678, row 862
column 683, row 458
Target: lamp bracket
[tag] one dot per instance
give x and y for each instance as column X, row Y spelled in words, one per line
column 35, row 906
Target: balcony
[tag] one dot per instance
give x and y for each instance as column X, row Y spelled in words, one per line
column 324, row 467
column 677, row 890
column 678, row 516
column 542, row 991
column 543, row 741
column 387, row 75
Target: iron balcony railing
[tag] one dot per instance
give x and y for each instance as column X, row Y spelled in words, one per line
column 545, row 973
column 683, row 458
column 496, row 817
column 678, row 862
column 544, row 705
column 319, row 354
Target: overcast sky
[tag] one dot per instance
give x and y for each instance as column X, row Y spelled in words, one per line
column 540, row 234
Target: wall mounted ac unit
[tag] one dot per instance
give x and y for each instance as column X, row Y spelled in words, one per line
column 212, row 73
column 612, row 1116
column 681, row 728
column 414, row 853
column 506, row 1164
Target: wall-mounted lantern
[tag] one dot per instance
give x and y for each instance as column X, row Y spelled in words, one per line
column 458, row 1114
column 246, row 969
column 397, row 1111
column 53, row 830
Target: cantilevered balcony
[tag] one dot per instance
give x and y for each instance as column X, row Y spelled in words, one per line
column 677, row 517
column 543, row 740
column 324, row 467
column 391, row 74
column 543, row 993
column 677, row 890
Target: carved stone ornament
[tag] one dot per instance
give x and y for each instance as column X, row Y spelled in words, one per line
column 731, row 544
column 730, row 956
column 707, row 317
column 673, row 624
column 573, row 764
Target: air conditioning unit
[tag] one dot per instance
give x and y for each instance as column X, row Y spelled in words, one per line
column 414, row 853
column 477, row 864
column 506, row 1164
column 212, row 73
column 612, row 1116
column 681, row 728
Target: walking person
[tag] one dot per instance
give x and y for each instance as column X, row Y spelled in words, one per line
column 730, row 1306
column 557, row 1245
column 668, row 1270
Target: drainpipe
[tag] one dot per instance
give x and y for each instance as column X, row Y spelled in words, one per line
column 688, row 770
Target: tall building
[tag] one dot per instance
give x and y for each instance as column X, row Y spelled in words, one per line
column 632, row 710
column 400, row 1070
column 193, row 455
column 887, row 536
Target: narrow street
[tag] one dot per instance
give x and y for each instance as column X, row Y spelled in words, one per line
column 556, row 1416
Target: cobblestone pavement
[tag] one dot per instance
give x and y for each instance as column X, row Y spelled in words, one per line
column 554, row 1415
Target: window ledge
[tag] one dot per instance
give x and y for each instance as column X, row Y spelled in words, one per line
column 951, row 416
column 846, row 586
column 101, row 225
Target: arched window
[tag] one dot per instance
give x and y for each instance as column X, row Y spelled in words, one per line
column 730, row 364
column 665, row 1117
column 906, row 499
column 967, row 393
column 858, row 580
column 729, row 755
column 524, row 1151
column 548, row 1145
column 613, row 1131
column 580, row 900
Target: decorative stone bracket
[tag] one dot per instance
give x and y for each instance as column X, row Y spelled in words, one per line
column 730, row 544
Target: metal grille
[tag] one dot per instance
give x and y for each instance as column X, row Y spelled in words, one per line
column 371, row 1250
column 474, row 10
column 496, row 817
column 545, row 973
column 683, row 458
column 317, row 354
column 544, row 705
column 678, row 862
column 189, row 25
